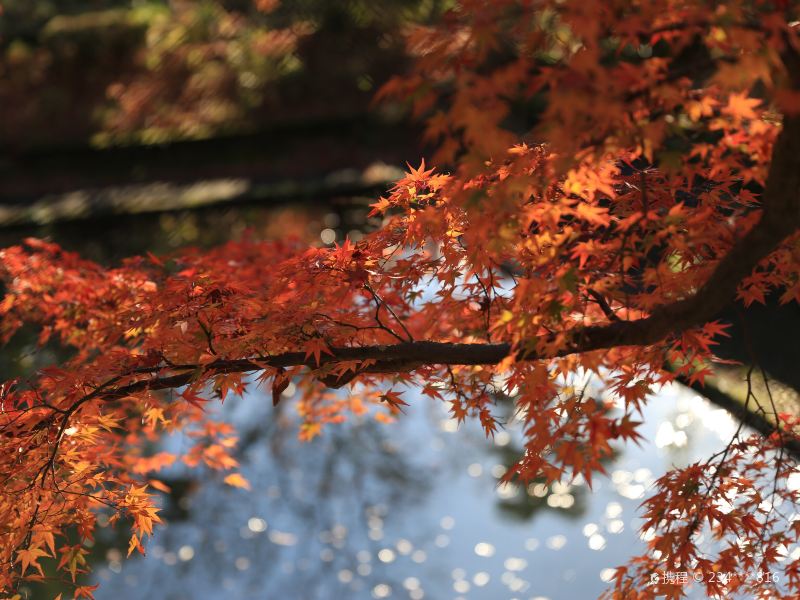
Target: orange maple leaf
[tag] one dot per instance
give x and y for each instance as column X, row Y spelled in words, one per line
column 30, row 558
column 741, row 107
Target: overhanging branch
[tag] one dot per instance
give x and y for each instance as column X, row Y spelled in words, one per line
column 780, row 219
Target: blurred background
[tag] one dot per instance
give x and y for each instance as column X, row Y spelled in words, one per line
column 115, row 107
column 142, row 125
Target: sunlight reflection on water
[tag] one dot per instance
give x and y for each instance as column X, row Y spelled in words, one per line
column 342, row 517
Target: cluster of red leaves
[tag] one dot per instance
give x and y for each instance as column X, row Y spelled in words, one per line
column 525, row 244
column 729, row 522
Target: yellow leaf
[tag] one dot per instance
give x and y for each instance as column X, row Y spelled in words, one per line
column 308, row 431
column 236, row 480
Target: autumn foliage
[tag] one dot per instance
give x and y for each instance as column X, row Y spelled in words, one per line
column 613, row 175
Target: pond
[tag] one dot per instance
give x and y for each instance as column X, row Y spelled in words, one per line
column 411, row 509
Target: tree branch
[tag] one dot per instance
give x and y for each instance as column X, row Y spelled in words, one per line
column 780, row 218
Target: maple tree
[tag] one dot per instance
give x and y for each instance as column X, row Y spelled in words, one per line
column 659, row 181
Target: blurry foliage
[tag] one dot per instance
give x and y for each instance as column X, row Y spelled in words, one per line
column 140, row 71
column 203, row 69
